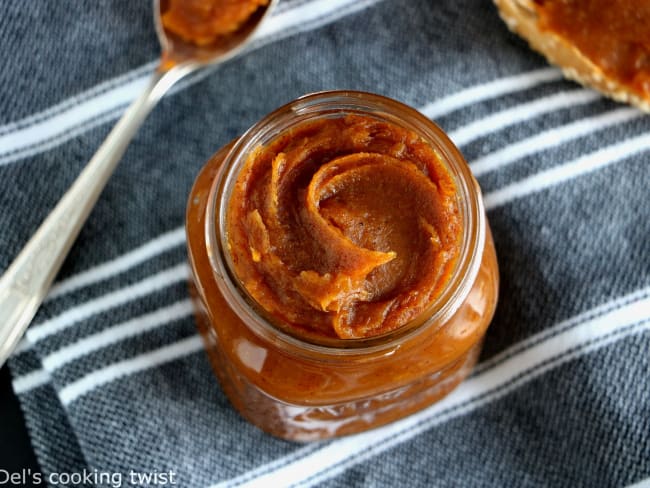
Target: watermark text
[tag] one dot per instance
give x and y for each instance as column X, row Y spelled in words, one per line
column 89, row 477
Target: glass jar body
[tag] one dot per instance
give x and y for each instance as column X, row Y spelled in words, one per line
column 306, row 393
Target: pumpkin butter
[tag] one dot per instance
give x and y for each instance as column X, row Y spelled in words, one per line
column 344, row 227
column 202, row 22
column 343, row 269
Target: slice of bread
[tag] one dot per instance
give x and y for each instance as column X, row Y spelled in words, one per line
column 522, row 18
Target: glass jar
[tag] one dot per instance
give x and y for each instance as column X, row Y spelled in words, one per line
column 303, row 389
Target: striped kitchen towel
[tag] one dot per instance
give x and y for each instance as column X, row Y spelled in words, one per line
column 112, row 377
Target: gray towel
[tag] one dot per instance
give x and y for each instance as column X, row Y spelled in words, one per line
column 112, row 377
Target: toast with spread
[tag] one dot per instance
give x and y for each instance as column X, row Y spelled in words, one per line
column 604, row 44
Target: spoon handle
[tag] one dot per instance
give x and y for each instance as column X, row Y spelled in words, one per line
column 29, row 277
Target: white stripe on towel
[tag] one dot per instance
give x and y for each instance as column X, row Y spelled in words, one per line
column 105, row 302
column 559, row 174
column 488, row 90
column 149, row 360
column 126, row 261
column 519, row 113
column 117, row 333
column 552, row 138
column 30, row 381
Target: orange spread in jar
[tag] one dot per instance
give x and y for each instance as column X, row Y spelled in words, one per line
column 201, row 22
column 614, row 35
column 364, row 189
column 344, row 227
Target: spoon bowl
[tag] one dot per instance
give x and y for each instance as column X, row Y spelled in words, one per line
column 177, row 51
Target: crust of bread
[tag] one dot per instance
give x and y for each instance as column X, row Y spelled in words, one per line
column 521, row 18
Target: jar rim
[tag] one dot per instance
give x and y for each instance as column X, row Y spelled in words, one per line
column 339, row 103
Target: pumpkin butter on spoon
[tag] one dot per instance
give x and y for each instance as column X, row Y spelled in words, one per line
column 202, row 22
column 344, row 227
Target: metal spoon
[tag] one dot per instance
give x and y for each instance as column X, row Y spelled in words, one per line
column 28, row 279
